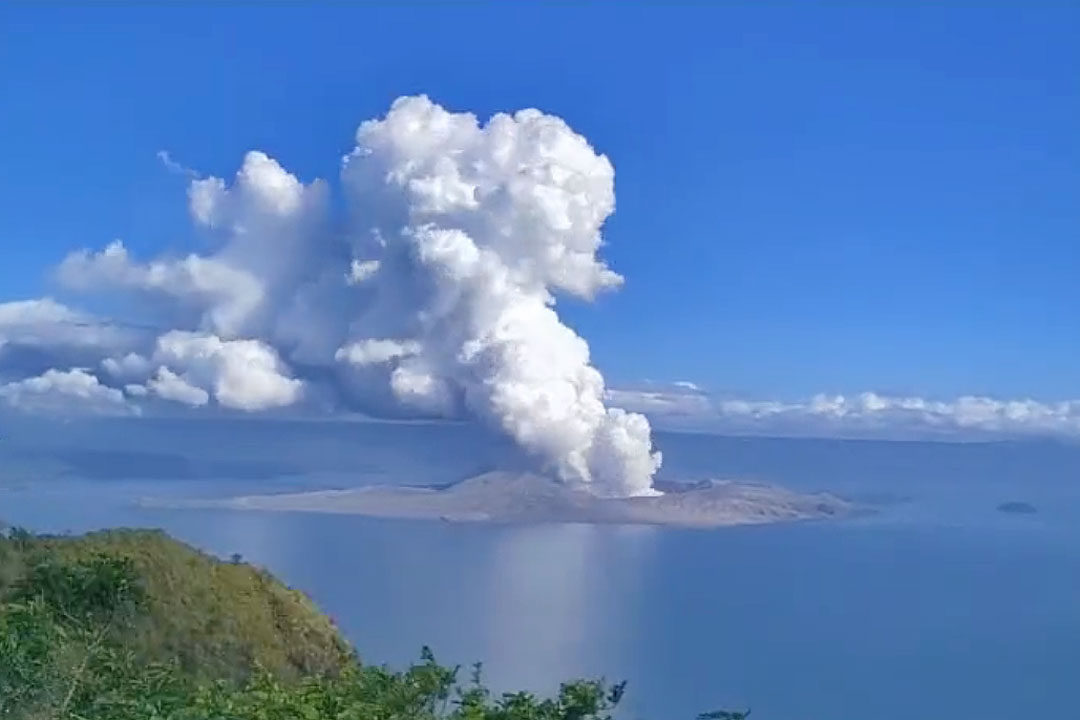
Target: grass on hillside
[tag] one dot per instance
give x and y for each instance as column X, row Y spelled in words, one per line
column 218, row 620
column 132, row 625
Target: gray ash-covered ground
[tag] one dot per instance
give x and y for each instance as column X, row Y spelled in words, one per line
column 504, row 497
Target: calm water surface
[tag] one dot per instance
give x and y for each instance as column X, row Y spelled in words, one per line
column 935, row 606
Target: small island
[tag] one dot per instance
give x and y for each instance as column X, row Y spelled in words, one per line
column 504, row 497
column 1016, row 507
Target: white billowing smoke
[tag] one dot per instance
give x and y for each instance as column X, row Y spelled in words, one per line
column 437, row 298
column 473, row 228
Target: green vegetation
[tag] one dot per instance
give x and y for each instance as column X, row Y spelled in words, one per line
column 127, row 625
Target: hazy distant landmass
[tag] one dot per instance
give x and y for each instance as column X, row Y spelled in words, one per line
column 1017, row 507
column 505, row 497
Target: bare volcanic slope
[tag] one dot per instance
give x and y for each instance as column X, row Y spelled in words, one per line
column 504, row 497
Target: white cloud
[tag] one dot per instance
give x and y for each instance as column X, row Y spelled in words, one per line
column 277, row 272
column 45, row 323
column 64, row 391
column 676, row 400
column 136, row 391
column 436, row 297
column 224, row 298
column 374, row 351
column 417, row 387
column 239, row 374
column 174, row 167
column 170, row 386
column 865, row 414
column 131, row 366
column 362, row 270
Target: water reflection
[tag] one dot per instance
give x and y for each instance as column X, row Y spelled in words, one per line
column 562, row 600
column 940, row 602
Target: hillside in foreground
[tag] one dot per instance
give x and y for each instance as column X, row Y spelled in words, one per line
column 132, row 625
column 215, row 619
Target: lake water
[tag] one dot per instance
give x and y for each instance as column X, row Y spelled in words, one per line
column 935, row 606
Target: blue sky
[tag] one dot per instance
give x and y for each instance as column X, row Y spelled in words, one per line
column 811, row 197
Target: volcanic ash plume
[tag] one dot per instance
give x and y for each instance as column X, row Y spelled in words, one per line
column 467, row 233
column 436, row 297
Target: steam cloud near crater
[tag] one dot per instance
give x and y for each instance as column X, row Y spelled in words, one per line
column 435, row 297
